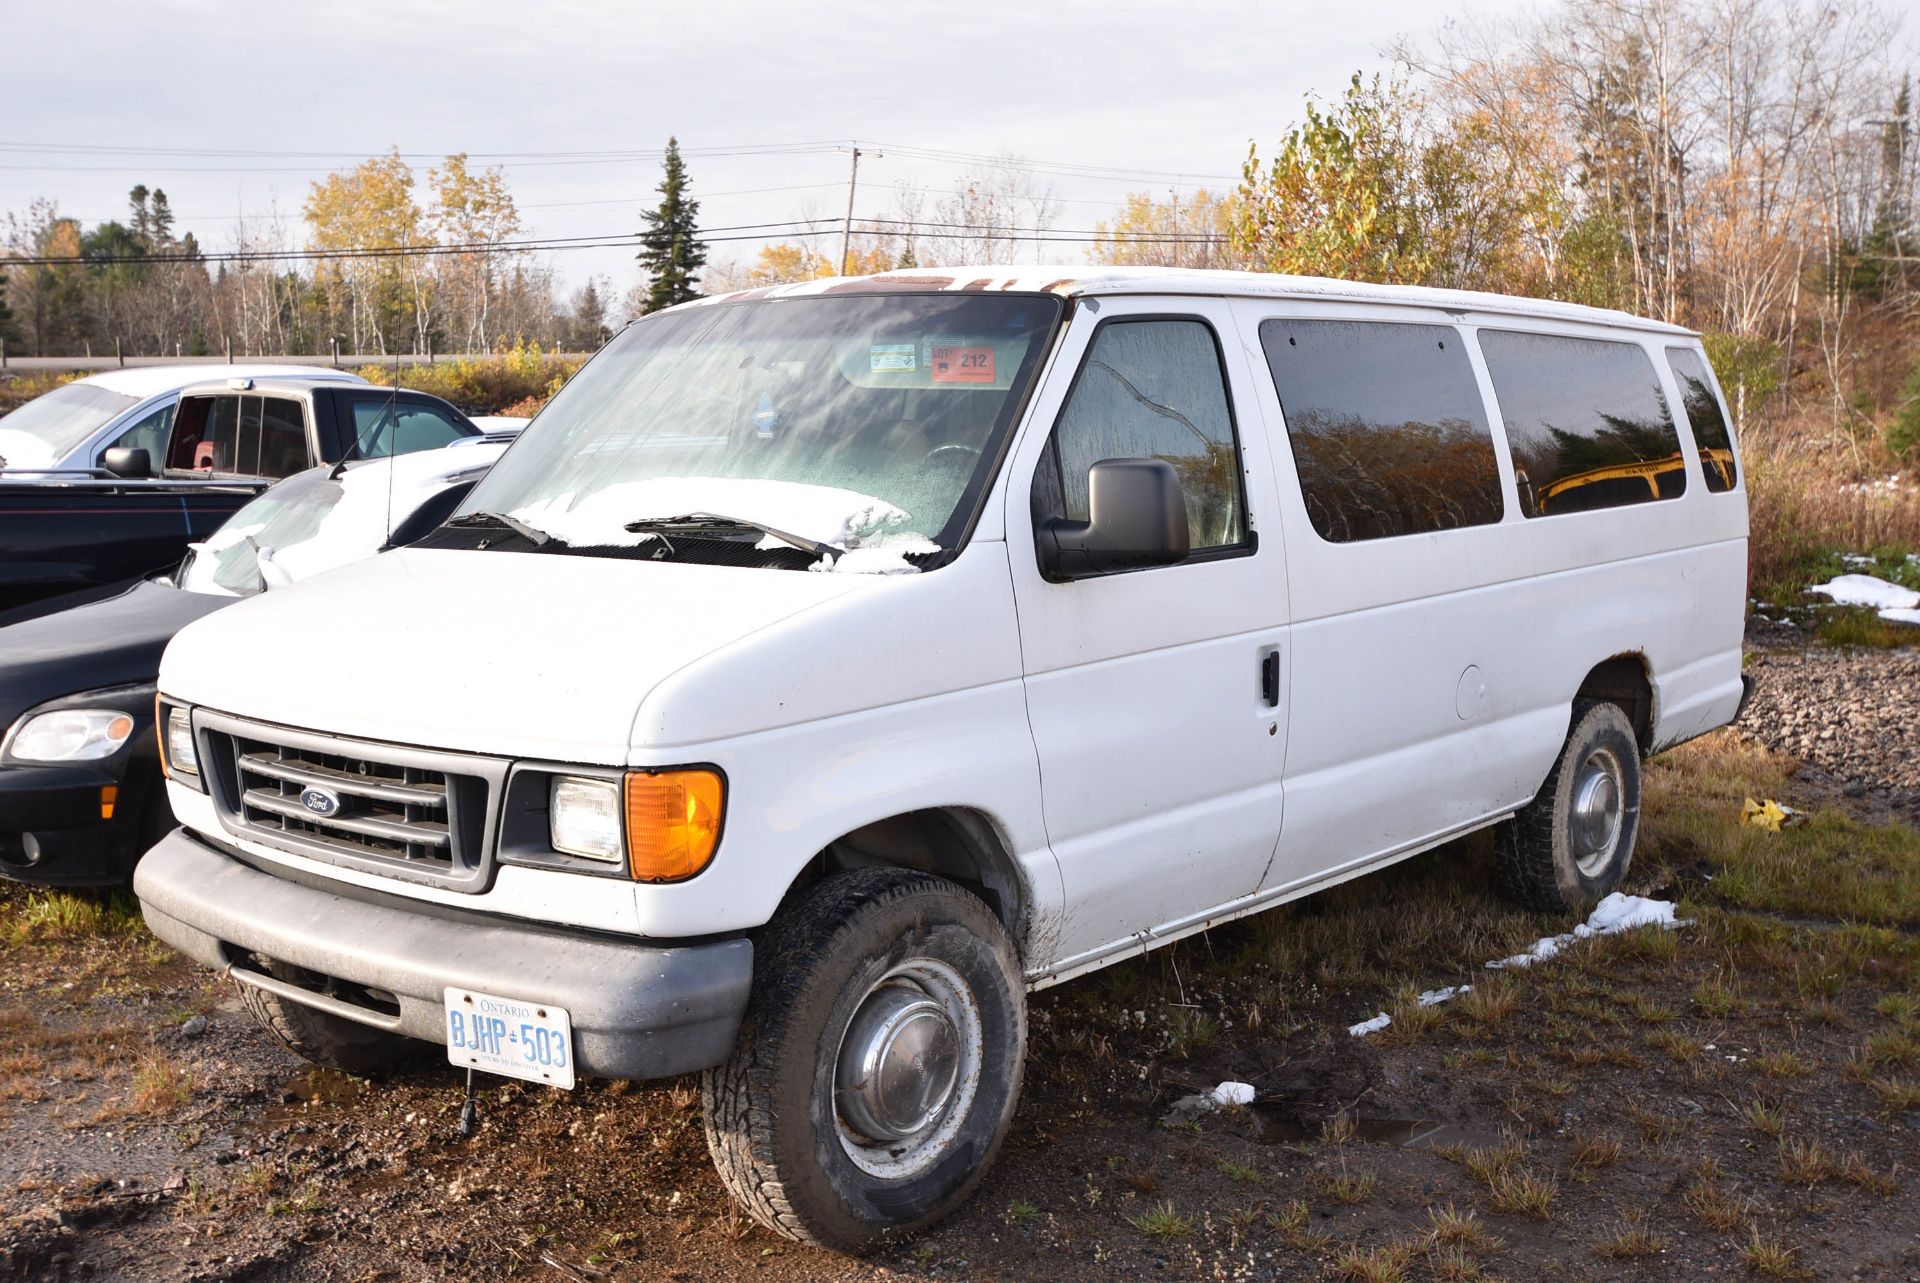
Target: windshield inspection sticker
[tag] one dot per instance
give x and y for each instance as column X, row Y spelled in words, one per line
column 893, row 357
column 961, row 365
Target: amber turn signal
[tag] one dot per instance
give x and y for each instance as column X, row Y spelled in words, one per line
column 673, row 822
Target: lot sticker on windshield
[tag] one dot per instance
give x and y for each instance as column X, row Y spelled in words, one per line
column 961, row 365
column 892, row 357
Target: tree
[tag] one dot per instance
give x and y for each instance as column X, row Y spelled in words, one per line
column 587, row 328
column 1343, row 196
column 371, row 207
column 670, row 251
column 7, row 333
column 474, row 210
column 1184, row 231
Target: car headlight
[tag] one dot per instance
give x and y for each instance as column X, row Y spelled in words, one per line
column 583, row 816
column 662, row 825
column 179, row 756
column 70, row 735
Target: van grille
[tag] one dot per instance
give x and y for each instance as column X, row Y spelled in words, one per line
column 395, row 810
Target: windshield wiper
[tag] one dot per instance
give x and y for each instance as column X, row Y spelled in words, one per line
column 694, row 522
column 531, row 534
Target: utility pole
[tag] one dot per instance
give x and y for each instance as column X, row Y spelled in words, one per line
column 846, row 228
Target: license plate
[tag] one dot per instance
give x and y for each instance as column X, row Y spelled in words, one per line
column 507, row 1036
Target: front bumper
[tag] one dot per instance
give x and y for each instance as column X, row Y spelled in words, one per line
column 638, row 1010
column 51, row 829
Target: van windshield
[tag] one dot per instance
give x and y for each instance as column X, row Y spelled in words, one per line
column 861, row 422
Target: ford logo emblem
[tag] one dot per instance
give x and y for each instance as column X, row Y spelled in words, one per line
column 320, row 801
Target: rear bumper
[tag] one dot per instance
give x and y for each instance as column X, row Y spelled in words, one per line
column 638, row 1011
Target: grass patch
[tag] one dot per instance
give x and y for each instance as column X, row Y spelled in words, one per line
column 54, row 917
column 1830, row 867
column 1387, row 1263
column 1162, row 1220
column 1862, row 626
column 1630, row 1240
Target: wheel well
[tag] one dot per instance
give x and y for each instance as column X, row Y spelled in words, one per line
column 953, row 842
column 1624, row 680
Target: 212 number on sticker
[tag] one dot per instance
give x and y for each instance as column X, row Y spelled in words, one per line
column 962, row 365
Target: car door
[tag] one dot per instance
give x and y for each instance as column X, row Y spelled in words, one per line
column 1155, row 695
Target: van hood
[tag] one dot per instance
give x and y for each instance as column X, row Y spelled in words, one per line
column 514, row 654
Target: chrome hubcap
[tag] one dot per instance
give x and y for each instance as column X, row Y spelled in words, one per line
column 898, row 1063
column 1598, row 793
column 907, row 1069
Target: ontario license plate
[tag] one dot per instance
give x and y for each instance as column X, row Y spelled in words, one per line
column 496, row 1035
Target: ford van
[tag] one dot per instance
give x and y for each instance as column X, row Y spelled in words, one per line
column 828, row 666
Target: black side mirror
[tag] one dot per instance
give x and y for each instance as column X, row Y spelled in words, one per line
column 124, row 462
column 1138, row 518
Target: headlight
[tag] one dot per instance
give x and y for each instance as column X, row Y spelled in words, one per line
column 583, row 817
column 179, row 756
column 70, row 735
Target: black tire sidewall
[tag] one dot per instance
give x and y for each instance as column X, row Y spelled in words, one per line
column 1599, row 726
column 843, row 1203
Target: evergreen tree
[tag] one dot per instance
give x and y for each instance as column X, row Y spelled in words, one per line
column 669, row 252
column 7, row 332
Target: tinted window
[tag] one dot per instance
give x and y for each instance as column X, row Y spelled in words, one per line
column 283, row 437
column 1587, row 423
column 1710, row 431
column 219, row 446
column 1152, row 390
column 1389, row 434
column 385, row 427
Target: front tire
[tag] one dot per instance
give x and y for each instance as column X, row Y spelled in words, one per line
column 878, row 1064
column 1571, row 845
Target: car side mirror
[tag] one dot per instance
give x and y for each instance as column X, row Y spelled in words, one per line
column 123, row 461
column 1137, row 517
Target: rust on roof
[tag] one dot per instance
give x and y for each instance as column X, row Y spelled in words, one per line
column 868, row 284
column 1052, row 286
column 980, row 284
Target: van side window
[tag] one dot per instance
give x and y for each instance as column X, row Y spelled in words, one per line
column 1710, row 431
column 1151, row 389
column 1389, row 433
column 1586, row 420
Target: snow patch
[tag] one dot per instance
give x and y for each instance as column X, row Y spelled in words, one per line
column 1891, row 600
column 887, row 556
column 1431, row 998
column 1372, row 1026
column 1618, row 912
column 1226, row 1095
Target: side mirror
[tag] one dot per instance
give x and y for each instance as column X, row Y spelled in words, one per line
column 124, row 462
column 1138, row 518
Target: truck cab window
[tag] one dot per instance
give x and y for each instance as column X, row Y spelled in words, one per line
column 149, row 434
column 1151, row 389
column 383, row 426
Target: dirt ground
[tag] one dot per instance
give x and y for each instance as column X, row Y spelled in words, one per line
column 1736, row 1098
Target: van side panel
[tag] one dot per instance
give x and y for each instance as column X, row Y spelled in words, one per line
column 1434, row 673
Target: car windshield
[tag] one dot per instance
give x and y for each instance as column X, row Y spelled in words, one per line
column 857, row 421
column 64, row 418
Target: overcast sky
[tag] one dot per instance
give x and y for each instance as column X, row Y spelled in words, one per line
column 1169, row 93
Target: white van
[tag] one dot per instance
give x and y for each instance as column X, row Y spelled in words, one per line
column 829, row 665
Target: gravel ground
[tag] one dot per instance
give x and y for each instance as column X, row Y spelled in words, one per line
column 1847, row 713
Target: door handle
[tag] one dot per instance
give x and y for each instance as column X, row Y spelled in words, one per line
column 1270, row 678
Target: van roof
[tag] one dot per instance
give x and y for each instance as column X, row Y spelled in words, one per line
column 1082, row 280
column 150, row 380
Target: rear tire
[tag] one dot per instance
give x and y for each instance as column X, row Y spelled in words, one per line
column 1571, row 845
column 323, row 1038
column 878, row 1064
